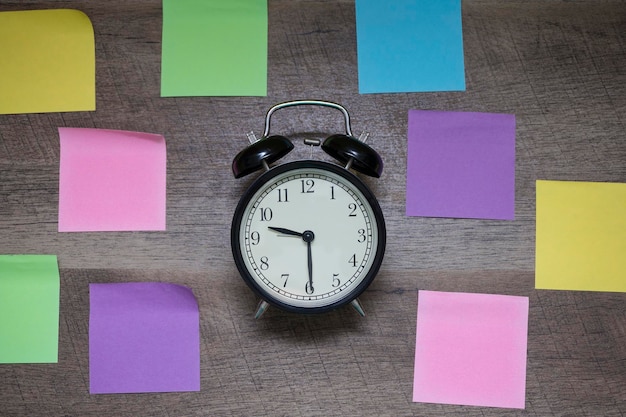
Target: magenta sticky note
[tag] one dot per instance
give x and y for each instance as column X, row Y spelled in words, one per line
column 461, row 165
column 470, row 349
column 111, row 180
column 143, row 337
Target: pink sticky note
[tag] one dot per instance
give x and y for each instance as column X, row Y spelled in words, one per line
column 471, row 349
column 111, row 180
column 461, row 165
column 143, row 337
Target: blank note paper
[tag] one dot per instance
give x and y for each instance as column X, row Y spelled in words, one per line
column 111, row 180
column 48, row 62
column 470, row 349
column 214, row 48
column 409, row 46
column 581, row 236
column 143, row 337
column 29, row 309
column 461, row 164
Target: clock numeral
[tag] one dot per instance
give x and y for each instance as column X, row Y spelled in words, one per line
column 286, row 278
column 309, row 288
column 255, row 238
column 266, row 214
column 352, row 207
column 352, row 260
column 282, row 195
column 307, row 186
column 265, row 263
column 361, row 237
column 336, row 281
column 332, row 192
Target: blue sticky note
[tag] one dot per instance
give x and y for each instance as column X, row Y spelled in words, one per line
column 409, row 46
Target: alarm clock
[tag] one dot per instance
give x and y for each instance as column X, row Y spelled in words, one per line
column 308, row 236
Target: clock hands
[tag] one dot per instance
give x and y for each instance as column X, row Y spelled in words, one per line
column 285, row 231
column 308, row 237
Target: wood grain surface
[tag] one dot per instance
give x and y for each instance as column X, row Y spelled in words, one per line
column 559, row 66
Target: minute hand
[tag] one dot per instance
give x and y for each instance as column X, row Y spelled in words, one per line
column 308, row 237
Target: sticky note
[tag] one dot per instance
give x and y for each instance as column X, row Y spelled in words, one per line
column 29, row 309
column 48, row 62
column 581, row 236
column 111, row 180
column 461, row 165
column 409, row 46
column 470, row 349
column 143, row 337
column 214, row 48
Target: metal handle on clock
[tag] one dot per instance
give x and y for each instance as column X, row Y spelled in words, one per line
column 345, row 148
column 279, row 106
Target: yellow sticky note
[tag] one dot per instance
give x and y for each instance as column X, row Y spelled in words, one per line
column 47, row 62
column 581, row 236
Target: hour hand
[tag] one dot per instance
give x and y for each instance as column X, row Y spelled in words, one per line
column 285, row 231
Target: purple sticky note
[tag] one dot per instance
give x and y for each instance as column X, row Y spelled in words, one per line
column 461, row 165
column 143, row 337
column 470, row 349
column 111, row 180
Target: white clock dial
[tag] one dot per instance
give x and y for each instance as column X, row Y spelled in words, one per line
column 307, row 236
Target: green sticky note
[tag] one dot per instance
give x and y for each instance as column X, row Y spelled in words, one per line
column 214, row 48
column 29, row 309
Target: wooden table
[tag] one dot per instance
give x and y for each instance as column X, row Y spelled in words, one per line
column 559, row 66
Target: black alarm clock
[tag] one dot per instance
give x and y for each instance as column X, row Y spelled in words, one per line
column 308, row 236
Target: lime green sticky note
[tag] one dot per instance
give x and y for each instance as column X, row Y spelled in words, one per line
column 581, row 236
column 214, row 48
column 47, row 62
column 29, row 309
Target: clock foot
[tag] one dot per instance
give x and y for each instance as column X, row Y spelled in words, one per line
column 261, row 308
column 357, row 306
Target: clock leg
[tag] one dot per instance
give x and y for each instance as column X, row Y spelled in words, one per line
column 357, row 306
column 261, row 308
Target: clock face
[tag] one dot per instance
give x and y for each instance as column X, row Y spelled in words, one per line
column 308, row 236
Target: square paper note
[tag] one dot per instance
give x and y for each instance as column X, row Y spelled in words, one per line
column 111, row 180
column 409, row 46
column 214, row 48
column 143, row 337
column 461, row 164
column 29, row 309
column 470, row 349
column 48, row 61
column 581, row 236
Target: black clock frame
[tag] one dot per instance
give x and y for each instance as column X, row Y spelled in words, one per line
column 267, row 177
